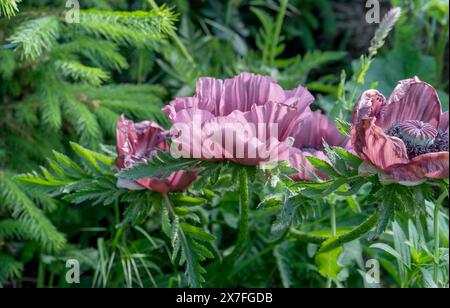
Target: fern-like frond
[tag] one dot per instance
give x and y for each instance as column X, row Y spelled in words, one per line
column 34, row 37
column 9, row 268
column 9, row 8
column 127, row 28
column 66, row 176
column 84, row 122
column 8, row 63
column 284, row 264
column 141, row 102
column 76, row 71
column 13, row 229
column 100, row 52
column 24, row 210
column 191, row 245
column 49, row 99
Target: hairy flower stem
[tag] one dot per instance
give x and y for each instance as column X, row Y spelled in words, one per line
column 437, row 235
column 354, row 234
column 333, row 219
column 303, row 237
column 333, row 231
column 169, row 205
column 244, row 214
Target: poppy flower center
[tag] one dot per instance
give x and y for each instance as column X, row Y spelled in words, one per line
column 419, row 137
column 418, row 132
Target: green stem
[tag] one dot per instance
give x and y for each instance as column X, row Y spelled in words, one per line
column 304, row 237
column 118, row 233
column 169, row 205
column 333, row 232
column 356, row 233
column 117, row 213
column 277, row 34
column 175, row 37
column 228, row 13
column 333, row 219
column 181, row 46
column 244, row 214
column 437, row 235
column 440, row 52
column 41, row 274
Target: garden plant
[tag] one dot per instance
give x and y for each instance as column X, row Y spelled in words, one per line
column 224, row 143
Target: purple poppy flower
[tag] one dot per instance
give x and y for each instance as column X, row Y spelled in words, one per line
column 309, row 137
column 405, row 136
column 136, row 142
column 246, row 119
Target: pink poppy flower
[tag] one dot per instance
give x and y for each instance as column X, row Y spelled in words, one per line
column 309, row 137
column 136, row 142
column 246, row 119
column 404, row 136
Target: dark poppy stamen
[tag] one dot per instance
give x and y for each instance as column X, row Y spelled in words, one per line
column 419, row 137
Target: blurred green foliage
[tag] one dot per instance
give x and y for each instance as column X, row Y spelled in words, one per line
column 62, row 82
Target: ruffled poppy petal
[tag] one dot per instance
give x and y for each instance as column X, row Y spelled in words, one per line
column 134, row 140
column 247, row 107
column 246, row 90
column 298, row 160
column 368, row 106
column 443, row 123
column 315, row 128
column 299, row 98
column 274, row 116
column 427, row 166
column 181, row 180
column 188, row 133
column 179, row 104
column 209, row 94
column 412, row 99
column 374, row 145
column 158, row 185
column 251, row 137
column 128, row 184
column 135, row 143
column 177, row 181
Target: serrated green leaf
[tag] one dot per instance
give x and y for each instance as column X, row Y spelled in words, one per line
column 323, row 166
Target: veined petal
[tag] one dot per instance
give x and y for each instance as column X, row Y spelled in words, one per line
column 381, row 150
column 368, row 106
column 443, row 123
column 298, row 160
column 128, row 184
column 427, row 166
column 299, row 98
column 273, row 116
column 246, row 90
column 209, row 94
column 135, row 140
column 412, row 99
column 254, row 110
column 315, row 128
column 179, row 104
column 177, row 181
